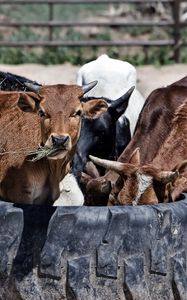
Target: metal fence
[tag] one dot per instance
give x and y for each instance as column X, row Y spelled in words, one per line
column 175, row 42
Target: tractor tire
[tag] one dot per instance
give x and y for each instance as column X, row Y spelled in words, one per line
column 93, row 253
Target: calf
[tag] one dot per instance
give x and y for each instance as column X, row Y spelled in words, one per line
column 57, row 111
column 98, row 136
column 73, row 196
column 153, row 126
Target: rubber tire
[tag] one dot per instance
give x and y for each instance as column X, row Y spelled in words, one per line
column 93, row 253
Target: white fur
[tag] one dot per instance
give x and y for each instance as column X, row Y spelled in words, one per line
column 70, row 193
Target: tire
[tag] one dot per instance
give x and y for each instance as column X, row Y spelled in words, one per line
column 93, row 253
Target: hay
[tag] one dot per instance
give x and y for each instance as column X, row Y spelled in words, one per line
column 40, row 153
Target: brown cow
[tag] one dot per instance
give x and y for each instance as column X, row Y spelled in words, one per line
column 164, row 179
column 56, row 130
column 153, row 126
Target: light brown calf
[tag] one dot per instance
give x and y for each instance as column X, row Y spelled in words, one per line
column 49, row 117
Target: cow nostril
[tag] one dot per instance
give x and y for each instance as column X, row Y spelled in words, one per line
column 59, row 140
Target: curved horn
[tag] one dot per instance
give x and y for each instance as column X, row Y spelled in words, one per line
column 123, row 98
column 108, row 164
column 33, row 87
column 87, row 87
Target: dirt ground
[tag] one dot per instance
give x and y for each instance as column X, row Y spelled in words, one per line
column 149, row 77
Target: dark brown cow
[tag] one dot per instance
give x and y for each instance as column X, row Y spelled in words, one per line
column 56, row 130
column 164, row 179
column 153, row 126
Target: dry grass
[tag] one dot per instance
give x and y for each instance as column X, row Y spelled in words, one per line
column 38, row 153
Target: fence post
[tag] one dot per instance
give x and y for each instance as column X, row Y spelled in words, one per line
column 176, row 29
column 50, row 19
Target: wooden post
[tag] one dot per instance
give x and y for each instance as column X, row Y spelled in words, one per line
column 176, row 29
column 50, row 19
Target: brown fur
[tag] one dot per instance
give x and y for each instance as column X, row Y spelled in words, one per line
column 15, row 134
column 171, row 157
column 38, row 182
column 153, row 126
column 174, row 151
column 154, row 122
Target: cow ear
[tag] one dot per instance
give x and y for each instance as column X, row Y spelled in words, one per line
column 135, row 157
column 182, row 167
column 94, row 108
column 171, row 176
column 27, row 102
column 168, row 176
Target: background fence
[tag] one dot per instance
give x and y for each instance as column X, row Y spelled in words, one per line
column 176, row 41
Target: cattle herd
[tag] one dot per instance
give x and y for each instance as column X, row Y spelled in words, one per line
column 97, row 142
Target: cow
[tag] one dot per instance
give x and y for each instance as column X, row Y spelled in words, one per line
column 115, row 78
column 162, row 180
column 56, row 111
column 98, row 136
column 153, row 126
column 110, row 134
column 73, row 196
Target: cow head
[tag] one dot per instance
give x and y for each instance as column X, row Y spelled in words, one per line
column 98, row 136
column 137, row 184
column 175, row 188
column 61, row 110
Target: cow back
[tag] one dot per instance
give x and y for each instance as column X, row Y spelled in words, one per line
column 154, row 123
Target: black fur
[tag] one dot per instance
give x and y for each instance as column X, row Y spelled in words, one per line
column 12, row 82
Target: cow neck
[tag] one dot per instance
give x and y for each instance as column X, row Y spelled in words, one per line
column 59, row 168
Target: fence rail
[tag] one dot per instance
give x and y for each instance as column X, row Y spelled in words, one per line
column 176, row 25
column 82, row 1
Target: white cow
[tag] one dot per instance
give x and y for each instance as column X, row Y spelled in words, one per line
column 114, row 78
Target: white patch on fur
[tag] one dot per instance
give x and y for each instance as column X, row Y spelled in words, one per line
column 70, row 193
column 144, row 181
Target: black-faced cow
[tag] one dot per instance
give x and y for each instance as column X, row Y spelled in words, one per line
column 115, row 77
column 98, row 136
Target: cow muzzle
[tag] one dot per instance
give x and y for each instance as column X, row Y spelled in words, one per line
column 59, row 145
column 59, row 141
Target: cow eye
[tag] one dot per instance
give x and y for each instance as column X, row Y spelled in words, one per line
column 42, row 113
column 78, row 113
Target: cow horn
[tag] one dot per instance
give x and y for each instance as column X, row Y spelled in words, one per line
column 167, row 176
column 33, row 87
column 123, row 98
column 87, row 87
column 108, row 164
